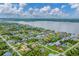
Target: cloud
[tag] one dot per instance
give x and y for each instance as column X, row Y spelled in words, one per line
column 7, row 9
column 39, row 12
column 22, row 4
column 42, row 12
column 55, row 10
column 63, row 6
column 45, row 9
column 74, row 5
column 31, row 11
column 58, row 13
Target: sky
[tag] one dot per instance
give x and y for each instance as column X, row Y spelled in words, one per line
column 39, row 10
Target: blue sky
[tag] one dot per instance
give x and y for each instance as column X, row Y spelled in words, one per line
column 39, row 10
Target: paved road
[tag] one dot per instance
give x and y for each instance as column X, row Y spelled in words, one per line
column 69, row 49
column 49, row 48
column 10, row 46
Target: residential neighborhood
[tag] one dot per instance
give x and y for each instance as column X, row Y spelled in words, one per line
column 25, row 40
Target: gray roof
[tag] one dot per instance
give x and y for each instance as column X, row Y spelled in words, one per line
column 7, row 54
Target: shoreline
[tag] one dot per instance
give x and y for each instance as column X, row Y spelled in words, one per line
column 46, row 25
column 48, row 28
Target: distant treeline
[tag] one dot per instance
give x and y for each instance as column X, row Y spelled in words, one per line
column 42, row 19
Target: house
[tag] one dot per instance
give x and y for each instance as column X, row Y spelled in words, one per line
column 7, row 54
column 51, row 54
column 57, row 43
column 50, row 44
column 12, row 41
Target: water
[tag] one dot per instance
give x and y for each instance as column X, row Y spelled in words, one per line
column 69, row 27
